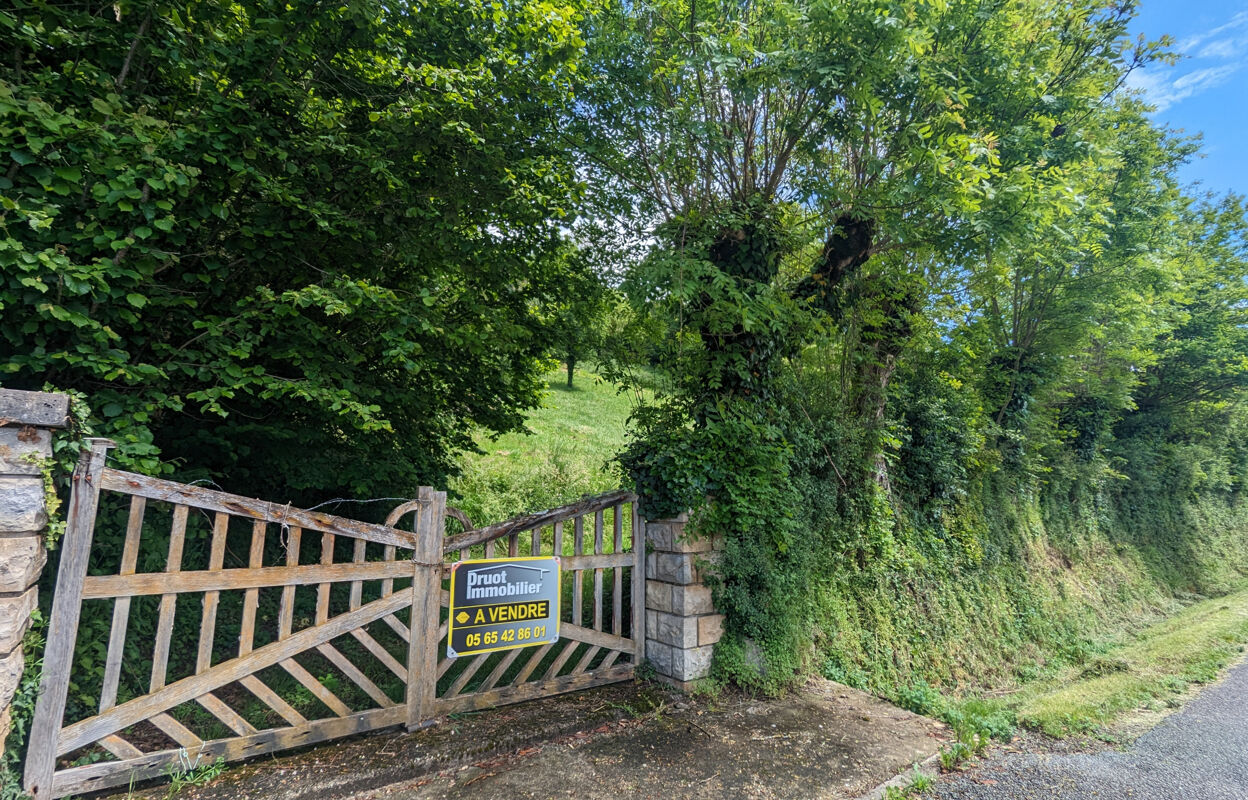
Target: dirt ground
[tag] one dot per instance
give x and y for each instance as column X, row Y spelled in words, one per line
column 633, row 740
column 826, row 742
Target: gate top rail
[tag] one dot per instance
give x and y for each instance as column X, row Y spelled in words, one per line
column 537, row 519
column 213, row 500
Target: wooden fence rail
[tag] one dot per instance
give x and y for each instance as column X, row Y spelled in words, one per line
column 363, row 649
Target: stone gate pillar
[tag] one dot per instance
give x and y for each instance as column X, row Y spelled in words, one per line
column 26, row 423
column 682, row 625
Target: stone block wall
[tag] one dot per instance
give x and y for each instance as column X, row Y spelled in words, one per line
column 26, row 423
column 682, row 625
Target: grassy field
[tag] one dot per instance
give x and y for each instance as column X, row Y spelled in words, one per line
column 1151, row 670
column 572, row 439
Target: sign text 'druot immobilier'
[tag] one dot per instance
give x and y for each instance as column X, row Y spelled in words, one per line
column 499, row 604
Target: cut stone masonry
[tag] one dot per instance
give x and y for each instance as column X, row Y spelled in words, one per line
column 26, row 423
column 682, row 625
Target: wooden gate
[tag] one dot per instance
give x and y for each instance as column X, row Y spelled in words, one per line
column 342, row 625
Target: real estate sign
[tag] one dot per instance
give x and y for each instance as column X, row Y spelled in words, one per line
column 503, row 603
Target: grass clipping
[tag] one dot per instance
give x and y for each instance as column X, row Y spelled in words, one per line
column 1150, row 672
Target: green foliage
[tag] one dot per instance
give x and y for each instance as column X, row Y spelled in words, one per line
column 880, row 272
column 973, row 720
column 191, row 773
column 271, row 242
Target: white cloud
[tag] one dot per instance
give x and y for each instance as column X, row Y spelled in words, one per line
column 1237, row 22
column 1224, row 48
column 1163, row 88
column 1212, row 58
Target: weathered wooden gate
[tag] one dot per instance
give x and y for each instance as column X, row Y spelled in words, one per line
column 364, row 650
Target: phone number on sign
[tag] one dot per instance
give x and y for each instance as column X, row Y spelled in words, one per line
column 509, row 635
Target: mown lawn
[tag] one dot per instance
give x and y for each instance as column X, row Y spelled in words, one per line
column 574, row 436
column 1151, row 670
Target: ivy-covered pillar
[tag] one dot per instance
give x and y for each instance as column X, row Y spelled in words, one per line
column 26, row 423
column 682, row 625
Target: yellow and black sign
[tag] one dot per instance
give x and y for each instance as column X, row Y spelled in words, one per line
column 501, row 603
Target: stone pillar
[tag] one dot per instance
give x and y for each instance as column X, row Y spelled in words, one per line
column 681, row 624
column 26, row 423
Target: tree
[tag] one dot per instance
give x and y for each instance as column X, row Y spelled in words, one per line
column 578, row 317
column 303, row 246
column 883, row 135
column 1201, row 367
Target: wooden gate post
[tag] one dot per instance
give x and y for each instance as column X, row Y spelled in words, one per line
column 422, row 654
column 58, row 655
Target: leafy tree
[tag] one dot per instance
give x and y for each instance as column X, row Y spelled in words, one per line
column 578, row 317
column 817, row 173
column 1201, row 367
column 885, row 131
column 303, row 246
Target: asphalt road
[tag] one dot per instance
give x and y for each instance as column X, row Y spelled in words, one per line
column 1198, row 753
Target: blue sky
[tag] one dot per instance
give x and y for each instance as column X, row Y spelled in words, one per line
column 1207, row 91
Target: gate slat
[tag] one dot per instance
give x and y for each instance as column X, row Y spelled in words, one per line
column 536, row 689
column 598, row 571
column 322, row 589
column 568, row 650
column 228, row 716
column 380, row 653
column 251, row 598
column 578, row 549
column 207, row 632
column 120, row 747
column 314, row 686
column 272, row 699
column 357, row 587
column 353, row 672
column 281, row 513
column 121, row 608
column 395, row 623
column 387, row 554
column 286, row 612
column 532, row 664
column 175, row 730
column 99, row 587
column 168, row 602
column 617, row 575
column 497, row 673
column 585, row 661
column 462, row 680
column 208, row 622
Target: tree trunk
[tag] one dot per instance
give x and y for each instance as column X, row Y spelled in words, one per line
column 571, row 369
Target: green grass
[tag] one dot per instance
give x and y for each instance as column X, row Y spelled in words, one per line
column 1151, row 670
column 574, row 436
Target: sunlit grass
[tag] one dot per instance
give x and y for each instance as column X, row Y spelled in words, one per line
column 574, row 436
column 1154, row 668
